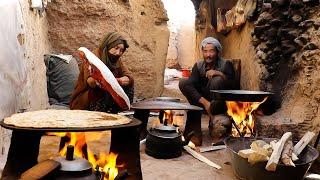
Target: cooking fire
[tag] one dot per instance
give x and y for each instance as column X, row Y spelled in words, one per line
column 138, row 89
column 104, row 162
column 243, row 114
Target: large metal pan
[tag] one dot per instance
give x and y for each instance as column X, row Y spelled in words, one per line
column 245, row 170
column 133, row 123
column 240, row 95
column 163, row 105
column 169, row 99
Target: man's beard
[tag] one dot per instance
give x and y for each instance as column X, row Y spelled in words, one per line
column 113, row 58
column 209, row 60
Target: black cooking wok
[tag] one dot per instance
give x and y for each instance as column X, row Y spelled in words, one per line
column 244, row 170
column 240, row 95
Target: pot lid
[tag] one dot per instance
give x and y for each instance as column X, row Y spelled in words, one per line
column 166, row 128
column 77, row 164
column 71, row 164
column 166, row 132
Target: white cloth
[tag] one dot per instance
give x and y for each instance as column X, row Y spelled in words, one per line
column 13, row 72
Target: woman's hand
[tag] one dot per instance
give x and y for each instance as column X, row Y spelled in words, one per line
column 123, row 81
column 91, row 82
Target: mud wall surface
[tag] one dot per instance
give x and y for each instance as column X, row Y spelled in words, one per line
column 143, row 23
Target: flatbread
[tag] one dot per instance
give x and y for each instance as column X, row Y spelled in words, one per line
column 53, row 118
column 100, row 72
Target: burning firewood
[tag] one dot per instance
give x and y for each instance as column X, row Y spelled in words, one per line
column 304, row 141
column 286, row 156
column 276, row 154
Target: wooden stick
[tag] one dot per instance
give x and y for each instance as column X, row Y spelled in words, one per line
column 275, row 156
column 273, row 144
column 286, row 156
column 293, row 156
column 304, row 141
column 235, row 125
column 245, row 153
column 200, row 157
column 212, row 148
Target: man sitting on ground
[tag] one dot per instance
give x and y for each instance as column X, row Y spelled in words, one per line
column 211, row 73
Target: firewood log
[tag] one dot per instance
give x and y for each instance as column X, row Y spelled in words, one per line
column 253, row 156
column 275, row 156
column 293, row 156
column 261, row 147
column 245, row 153
column 257, row 157
column 304, row 141
column 273, row 144
column 287, row 154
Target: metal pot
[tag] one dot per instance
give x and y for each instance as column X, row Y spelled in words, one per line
column 74, row 168
column 245, row 170
column 165, row 142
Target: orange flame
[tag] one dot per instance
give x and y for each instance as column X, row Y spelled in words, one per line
column 242, row 114
column 105, row 161
column 168, row 117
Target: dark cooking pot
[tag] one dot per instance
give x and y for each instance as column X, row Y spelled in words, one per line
column 245, row 170
column 74, row 167
column 165, row 142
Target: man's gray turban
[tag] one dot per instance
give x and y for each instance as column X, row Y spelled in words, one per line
column 211, row 40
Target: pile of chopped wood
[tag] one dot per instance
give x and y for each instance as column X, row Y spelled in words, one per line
column 283, row 150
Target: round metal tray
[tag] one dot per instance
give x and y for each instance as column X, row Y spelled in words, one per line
column 240, row 95
column 133, row 123
column 164, row 105
column 169, row 99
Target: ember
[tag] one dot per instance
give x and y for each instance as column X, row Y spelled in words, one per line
column 243, row 115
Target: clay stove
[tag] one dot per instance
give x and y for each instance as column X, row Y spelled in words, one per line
column 124, row 141
column 164, row 139
column 241, row 105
